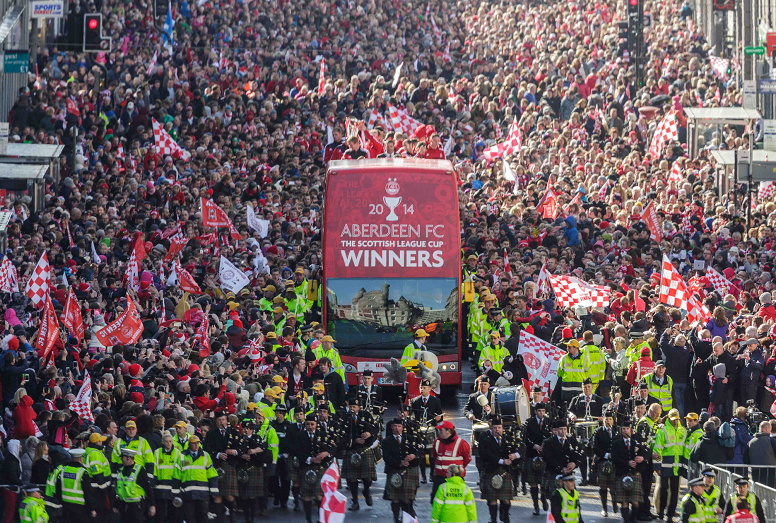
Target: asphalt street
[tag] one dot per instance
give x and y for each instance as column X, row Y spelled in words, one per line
column 522, row 506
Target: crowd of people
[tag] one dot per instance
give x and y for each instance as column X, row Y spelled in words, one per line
column 231, row 399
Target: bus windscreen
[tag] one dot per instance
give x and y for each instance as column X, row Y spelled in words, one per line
column 370, row 317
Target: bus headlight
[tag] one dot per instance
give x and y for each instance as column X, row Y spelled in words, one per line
column 446, row 367
column 350, row 368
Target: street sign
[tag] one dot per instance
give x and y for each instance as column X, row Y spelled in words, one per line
column 16, row 62
column 759, row 50
column 763, row 171
column 767, row 86
column 769, row 135
column 750, row 94
column 647, row 22
column 744, row 156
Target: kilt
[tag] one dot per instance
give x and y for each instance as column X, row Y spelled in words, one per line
column 548, row 483
column 500, row 494
column 408, row 489
column 605, row 481
column 366, row 471
column 378, row 452
column 293, row 471
column 635, row 495
column 312, row 490
column 227, row 484
column 254, row 488
column 532, row 477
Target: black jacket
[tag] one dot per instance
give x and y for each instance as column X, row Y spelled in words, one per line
column 578, row 406
column 491, row 452
column 688, row 507
column 557, row 456
column 335, row 388
column 310, row 447
column 394, row 453
column 429, row 411
column 602, row 442
column 215, row 443
column 472, row 407
column 622, row 455
column 535, row 434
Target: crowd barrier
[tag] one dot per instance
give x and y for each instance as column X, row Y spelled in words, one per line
column 763, row 480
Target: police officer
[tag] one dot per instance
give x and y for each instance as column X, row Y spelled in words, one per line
column 167, row 477
column 693, row 503
column 359, row 462
column 498, row 456
column 314, row 453
column 535, row 431
column 602, row 448
column 144, row 456
column 279, row 484
column 571, row 370
column 70, row 487
column 670, row 449
column 559, row 456
column 715, row 501
column 401, row 453
column 199, row 480
column 564, row 503
column 661, row 386
column 742, row 493
column 133, row 489
column 33, row 508
column 627, row 455
column 269, row 442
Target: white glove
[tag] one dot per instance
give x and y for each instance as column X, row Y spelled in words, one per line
column 606, row 456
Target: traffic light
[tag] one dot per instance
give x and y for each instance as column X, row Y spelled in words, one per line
column 93, row 33
column 622, row 36
column 160, row 7
column 635, row 20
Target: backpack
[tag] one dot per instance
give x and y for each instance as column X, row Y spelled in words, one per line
column 727, row 436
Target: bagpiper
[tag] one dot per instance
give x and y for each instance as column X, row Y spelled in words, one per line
column 628, row 454
column 401, row 451
column 498, row 457
column 602, row 448
column 314, row 454
column 535, row 431
column 359, row 462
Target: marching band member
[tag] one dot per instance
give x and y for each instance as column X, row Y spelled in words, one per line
column 565, row 507
column 602, row 447
column 628, row 455
column 646, row 431
column 559, row 456
column 401, row 452
column 370, row 394
column 536, row 397
column 536, row 430
column 426, row 409
column 252, row 455
column 313, row 452
column 618, row 406
column 449, row 449
column 585, row 406
column 359, row 461
column 280, row 484
column 497, row 456
column 294, row 468
column 473, row 411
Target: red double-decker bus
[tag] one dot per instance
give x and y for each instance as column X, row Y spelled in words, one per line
column 392, row 263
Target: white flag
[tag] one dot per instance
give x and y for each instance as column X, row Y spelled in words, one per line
column 329, row 135
column 541, row 361
column 95, row 256
column 408, row 518
column 232, row 278
column 397, row 75
column 64, row 280
column 448, row 150
column 509, row 174
column 258, row 225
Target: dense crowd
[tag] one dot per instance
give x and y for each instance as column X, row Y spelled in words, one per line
column 259, row 98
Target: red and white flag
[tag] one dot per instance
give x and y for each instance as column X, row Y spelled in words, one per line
column 673, row 290
column 186, row 281
column 133, row 265
column 165, row 145
column 507, row 266
column 543, row 282
column 722, row 284
column 215, row 216
column 9, row 280
column 49, row 329
column 719, row 66
column 676, row 173
column 203, row 337
column 72, row 107
column 152, row 65
column 446, row 55
column 125, row 330
column 334, row 502
column 177, row 242
column 667, row 130
column 511, row 145
column 541, row 361
column 766, row 190
column 697, row 311
column 83, row 402
column 38, row 285
column 322, row 78
column 548, row 205
column 71, row 317
column 649, row 216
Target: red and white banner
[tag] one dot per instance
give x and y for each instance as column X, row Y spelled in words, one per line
column 666, row 131
column 215, row 216
column 322, row 78
column 177, row 242
column 511, row 145
column 165, row 145
column 676, row 173
column 83, row 402
column 71, row 317
column 203, row 337
column 722, row 284
column 49, row 330
column 334, row 502
column 673, row 290
column 37, row 287
column 548, row 205
column 649, row 216
column 125, row 330
column 543, row 283
column 541, row 361
column 185, row 280
column 570, row 291
column 9, row 280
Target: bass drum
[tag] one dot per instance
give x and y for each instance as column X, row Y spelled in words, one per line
column 478, row 429
column 512, row 402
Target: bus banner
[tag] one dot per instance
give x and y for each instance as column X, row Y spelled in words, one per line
column 395, row 223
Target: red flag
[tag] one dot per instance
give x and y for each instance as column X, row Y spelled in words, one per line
column 215, row 216
column 185, row 279
column 125, row 330
column 332, row 509
column 48, row 333
column 203, row 337
column 507, row 267
column 72, row 107
column 71, row 317
column 322, row 78
column 548, row 206
column 177, row 243
column 649, row 216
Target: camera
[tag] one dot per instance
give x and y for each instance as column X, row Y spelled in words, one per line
column 754, row 417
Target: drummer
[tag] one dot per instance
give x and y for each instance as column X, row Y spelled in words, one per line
column 427, row 410
column 602, row 447
column 473, row 411
column 536, row 430
column 618, row 406
column 537, row 396
column 588, row 407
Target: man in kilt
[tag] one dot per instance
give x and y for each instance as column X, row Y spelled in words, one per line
column 280, row 484
column 250, row 470
column 359, row 462
column 628, row 454
column 401, row 451
column 498, row 456
column 217, row 442
column 296, row 431
column 560, row 458
column 602, row 447
column 313, row 452
column 535, row 431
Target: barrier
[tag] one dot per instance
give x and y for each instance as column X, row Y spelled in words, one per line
column 765, row 474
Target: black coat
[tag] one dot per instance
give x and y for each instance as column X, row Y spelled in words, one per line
column 215, row 443
column 472, row 407
column 394, row 453
column 578, row 406
column 710, row 451
column 622, row 455
column 557, row 456
column 602, row 442
column 622, row 411
column 491, row 452
column 309, row 448
column 335, row 388
column 432, row 408
column 535, row 434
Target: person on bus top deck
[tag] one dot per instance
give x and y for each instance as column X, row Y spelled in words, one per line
column 354, row 152
column 418, row 344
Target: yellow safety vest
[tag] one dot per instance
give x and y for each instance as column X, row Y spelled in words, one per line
column 700, row 509
column 71, row 480
column 712, row 500
column 662, row 393
column 570, row 507
column 127, row 488
column 33, row 510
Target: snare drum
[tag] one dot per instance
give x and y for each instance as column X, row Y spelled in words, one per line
column 512, row 402
column 428, row 435
column 584, row 430
column 478, row 429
